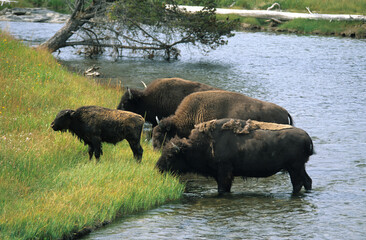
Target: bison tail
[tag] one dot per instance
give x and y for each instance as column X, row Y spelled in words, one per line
column 310, row 147
column 291, row 122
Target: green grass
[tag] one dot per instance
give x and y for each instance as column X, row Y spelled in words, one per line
column 320, row 26
column 48, row 187
column 56, row 5
column 355, row 29
column 316, row 6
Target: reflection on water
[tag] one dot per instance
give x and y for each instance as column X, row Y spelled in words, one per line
column 321, row 81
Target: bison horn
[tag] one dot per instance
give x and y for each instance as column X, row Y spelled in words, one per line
column 157, row 120
column 129, row 93
column 144, row 84
column 176, row 147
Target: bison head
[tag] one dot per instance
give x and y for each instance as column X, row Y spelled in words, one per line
column 163, row 132
column 173, row 157
column 131, row 101
column 63, row 120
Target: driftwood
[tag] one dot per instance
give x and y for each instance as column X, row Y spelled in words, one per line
column 282, row 16
column 274, row 5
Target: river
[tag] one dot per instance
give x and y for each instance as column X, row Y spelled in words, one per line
column 321, row 81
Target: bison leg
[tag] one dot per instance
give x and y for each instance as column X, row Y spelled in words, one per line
column 224, row 179
column 97, row 145
column 299, row 178
column 90, row 151
column 136, row 149
column 307, row 181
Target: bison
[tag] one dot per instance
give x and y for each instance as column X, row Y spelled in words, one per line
column 95, row 125
column 204, row 106
column 160, row 98
column 226, row 148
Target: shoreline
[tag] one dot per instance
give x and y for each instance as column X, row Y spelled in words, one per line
column 351, row 29
column 32, row 15
column 357, row 32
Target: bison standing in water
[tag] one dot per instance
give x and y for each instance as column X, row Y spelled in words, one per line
column 226, row 148
column 160, row 98
column 95, row 125
column 204, row 106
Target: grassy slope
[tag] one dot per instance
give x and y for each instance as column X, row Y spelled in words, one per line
column 48, row 187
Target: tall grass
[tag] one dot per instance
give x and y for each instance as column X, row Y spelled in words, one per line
column 48, row 187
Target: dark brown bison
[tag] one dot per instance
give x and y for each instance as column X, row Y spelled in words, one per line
column 160, row 98
column 226, row 148
column 204, row 106
column 95, row 125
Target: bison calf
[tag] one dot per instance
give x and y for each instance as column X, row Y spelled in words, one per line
column 226, row 148
column 95, row 125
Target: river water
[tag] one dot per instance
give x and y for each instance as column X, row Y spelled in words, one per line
column 321, row 81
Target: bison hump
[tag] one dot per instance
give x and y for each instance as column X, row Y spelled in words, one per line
column 245, row 127
column 206, row 126
column 268, row 125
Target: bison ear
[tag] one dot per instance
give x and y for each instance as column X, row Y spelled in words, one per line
column 166, row 125
column 69, row 112
column 179, row 144
column 72, row 112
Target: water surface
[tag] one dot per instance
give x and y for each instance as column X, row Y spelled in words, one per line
column 321, row 81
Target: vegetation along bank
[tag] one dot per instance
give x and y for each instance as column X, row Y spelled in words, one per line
column 48, row 187
column 356, row 29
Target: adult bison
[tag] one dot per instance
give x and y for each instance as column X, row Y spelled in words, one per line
column 160, row 98
column 226, row 148
column 204, row 106
column 95, row 125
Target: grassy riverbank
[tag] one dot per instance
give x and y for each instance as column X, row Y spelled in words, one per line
column 354, row 29
column 48, row 187
column 329, row 6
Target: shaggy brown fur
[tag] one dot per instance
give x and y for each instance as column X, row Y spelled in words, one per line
column 226, row 148
column 204, row 106
column 238, row 126
column 160, row 98
column 95, row 125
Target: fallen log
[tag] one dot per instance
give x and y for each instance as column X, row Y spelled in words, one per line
column 282, row 16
